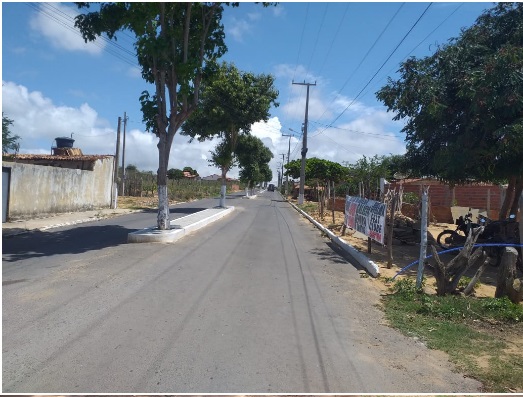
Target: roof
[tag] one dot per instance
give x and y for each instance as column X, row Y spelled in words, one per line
column 49, row 157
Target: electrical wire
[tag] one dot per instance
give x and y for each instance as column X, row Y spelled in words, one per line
column 113, row 49
column 335, row 37
column 381, row 67
column 363, row 59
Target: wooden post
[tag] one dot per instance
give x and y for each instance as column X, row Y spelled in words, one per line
column 391, row 230
column 423, row 246
column 333, row 202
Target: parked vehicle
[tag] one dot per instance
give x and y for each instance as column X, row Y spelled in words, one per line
column 502, row 232
column 451, row 238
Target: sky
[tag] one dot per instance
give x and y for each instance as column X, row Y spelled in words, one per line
column 54, row 84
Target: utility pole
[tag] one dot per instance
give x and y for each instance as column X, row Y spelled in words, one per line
column 304, row 147
column 288, row 158
column 282, row 162
column 115, row 178
column 123, row 153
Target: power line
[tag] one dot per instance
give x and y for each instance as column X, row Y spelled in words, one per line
column 334, row 39
column 364, row 58
column 317, row 37
column 53, row 14
column 378, row 136
column 381, row 67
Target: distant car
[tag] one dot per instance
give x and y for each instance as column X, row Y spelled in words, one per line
column 271, row 188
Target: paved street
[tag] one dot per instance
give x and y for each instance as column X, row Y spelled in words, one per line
column 258, row 302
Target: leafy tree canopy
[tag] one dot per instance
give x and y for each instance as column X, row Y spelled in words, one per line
column 175, row 174
column 9, row 141
column 317, row 169
column 463, row 106
column 253, row 159
column 231, row 101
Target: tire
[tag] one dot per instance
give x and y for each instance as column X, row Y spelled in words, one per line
column 448, row 239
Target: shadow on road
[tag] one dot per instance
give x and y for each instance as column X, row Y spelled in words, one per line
column 75, row 240
column 335, row 254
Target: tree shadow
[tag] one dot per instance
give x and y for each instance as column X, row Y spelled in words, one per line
column 77, row 240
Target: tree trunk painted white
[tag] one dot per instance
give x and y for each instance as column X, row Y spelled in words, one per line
column 223, row 190
column 163, row 208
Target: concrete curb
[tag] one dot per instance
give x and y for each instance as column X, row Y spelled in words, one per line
column 371, row 267
column 12, row 231
column 153, row 235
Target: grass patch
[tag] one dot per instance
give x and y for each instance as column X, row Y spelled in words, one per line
column 460, row 327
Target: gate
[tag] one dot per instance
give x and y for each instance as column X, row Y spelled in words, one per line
column 6, row 182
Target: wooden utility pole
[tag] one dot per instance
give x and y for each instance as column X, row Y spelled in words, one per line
column 304, row 147
column 288, row 158
column 115, row 178
column 123, row 153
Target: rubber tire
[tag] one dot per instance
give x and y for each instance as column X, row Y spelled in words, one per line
column 441, row 239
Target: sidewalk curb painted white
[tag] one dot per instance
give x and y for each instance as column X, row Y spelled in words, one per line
column 371, row 267
column 153, row 235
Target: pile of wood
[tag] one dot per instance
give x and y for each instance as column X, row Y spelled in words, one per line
column 407, row 231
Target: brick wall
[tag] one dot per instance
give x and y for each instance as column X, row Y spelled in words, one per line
column 441, row 197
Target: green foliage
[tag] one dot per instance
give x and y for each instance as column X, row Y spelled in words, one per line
column 411, row 198
column 175, row 174
column 230, row 102
column 317, row 170
column 191, row 170
column 223, row 156
column 463, row 105
column 502, row 308
column 449, row 323
column 253, row 159
column 9, row 141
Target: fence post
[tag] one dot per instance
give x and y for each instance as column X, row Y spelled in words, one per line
column 423, row 246
column 391, row 230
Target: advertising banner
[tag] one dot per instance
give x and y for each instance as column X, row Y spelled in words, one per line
column 366, row 216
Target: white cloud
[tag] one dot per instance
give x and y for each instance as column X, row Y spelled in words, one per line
column 237, row 29
column 38, row 121
column 56, row 22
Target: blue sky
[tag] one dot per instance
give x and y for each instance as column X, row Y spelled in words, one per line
column 53, row 84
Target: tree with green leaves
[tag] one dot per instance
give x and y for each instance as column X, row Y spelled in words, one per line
column 191, row 171
column 9, row 141
column 175, row 174
column 463, row 106
column 177, row 45
column 231, row 101
column 253, row 160
column 319, row 172
column 223, row 158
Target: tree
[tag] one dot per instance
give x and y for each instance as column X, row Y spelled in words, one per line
column 223, row 158
column 253, row 160
column 9, row 141
column 463, row 106
column 319, row 172
column 177, row 46
column 175, row 174
column 231, row 102
column 190, row 170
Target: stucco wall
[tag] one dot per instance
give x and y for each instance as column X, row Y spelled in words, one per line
column 37, row 190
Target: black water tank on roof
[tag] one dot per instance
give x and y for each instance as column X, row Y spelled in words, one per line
column 64, row 142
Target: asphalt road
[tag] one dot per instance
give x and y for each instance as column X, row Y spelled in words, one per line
column 258, row 302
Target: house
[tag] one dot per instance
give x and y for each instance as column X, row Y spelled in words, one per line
column 38, row 185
